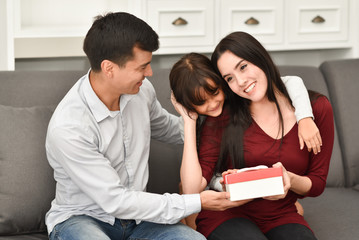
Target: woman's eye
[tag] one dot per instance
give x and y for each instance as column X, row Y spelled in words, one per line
column 216, row 92
column 243, row 66
column 229, row 79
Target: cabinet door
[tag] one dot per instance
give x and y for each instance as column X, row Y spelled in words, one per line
column 319, row 21
column 182, row 24
column 261, row 18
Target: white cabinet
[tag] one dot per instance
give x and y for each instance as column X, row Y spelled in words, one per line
column 261, row 18
column 277, row 24
column 49, row 28
column 322, row 23
column 183, row 26
column 289, row 24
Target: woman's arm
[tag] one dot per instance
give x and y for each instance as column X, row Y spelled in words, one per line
column 314, row 182
column 308, row 132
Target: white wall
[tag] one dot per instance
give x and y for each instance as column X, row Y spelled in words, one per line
column 6, row 32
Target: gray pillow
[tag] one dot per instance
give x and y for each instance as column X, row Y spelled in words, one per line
column 26, row 179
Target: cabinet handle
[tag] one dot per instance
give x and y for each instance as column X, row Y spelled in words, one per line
column 318, row 19
column 179, row 22
column 251, row 21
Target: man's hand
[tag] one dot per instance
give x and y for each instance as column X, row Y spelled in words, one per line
column 218, row 201
column 308, row 133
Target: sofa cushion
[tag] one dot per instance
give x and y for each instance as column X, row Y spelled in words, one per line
column 342, row 79
column 334, row 214
column 28, row 236
column 27, row 186
column 164, row 156
column 314, row 80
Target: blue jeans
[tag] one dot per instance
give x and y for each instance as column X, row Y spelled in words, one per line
column 84, row 227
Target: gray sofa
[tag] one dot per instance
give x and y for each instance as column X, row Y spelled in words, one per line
column 27, row 100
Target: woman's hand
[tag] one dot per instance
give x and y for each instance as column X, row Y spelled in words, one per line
column 286, row 183
column 182, row 110
column 308, row 133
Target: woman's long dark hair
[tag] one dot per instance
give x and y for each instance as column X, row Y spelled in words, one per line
column 248, row 48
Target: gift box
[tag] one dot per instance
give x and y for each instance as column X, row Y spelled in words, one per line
column 255, row 182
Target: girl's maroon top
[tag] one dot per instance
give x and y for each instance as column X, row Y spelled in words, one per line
column 261, row 149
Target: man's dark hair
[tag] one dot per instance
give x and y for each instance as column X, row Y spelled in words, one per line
column 113, row 37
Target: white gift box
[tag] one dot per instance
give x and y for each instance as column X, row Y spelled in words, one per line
column 255, row 182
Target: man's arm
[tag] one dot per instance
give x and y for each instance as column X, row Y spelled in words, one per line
column 219, row 201
column 79, row 160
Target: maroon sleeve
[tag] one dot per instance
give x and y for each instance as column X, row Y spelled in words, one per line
column 319, row 164
column 209, row 144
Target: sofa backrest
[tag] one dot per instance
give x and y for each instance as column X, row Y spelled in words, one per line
column 27, row 186
column 163, row 155
column 314, row 80
column 342, row 77
column 35, row 88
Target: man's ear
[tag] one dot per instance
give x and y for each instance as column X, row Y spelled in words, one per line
column 107, row 68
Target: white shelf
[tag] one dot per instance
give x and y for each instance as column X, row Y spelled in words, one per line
column 65, row 18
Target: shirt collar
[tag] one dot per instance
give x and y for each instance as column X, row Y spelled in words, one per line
column 124, row 99
column 97, row 107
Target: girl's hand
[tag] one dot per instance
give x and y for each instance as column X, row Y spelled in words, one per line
column 182, row 110
column 286, row 183
column 308, row 133
column 229, row 171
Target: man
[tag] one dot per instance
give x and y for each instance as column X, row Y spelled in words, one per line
column 98, row 144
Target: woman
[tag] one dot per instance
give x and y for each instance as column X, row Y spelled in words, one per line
column 266, row 124
column 198, row 90
column 267, row 106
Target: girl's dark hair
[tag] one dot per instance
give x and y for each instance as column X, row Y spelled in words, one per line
column 248, row 48
column 113, row 37
column 190, row 74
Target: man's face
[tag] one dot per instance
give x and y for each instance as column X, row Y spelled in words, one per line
column 128, row 79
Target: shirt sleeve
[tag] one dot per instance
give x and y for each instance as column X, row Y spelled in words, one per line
column 299, row 95
column 78, row 158
column 319, row 163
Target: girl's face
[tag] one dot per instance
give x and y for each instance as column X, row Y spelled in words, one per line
column 244, row 78
column 213, row 102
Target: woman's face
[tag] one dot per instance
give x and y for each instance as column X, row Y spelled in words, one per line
column 213, row 105
column 244, row 78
